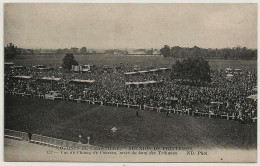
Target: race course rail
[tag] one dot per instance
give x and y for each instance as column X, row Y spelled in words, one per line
column 44, row 140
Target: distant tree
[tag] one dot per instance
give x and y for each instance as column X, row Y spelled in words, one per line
column 68, row 61
column 197, row 52
column 83, row 50
column 195, row 70
column 74, row 50
column 60, row 51
column 176, row 51
column 166, row 51
column 11, row 51
column 110, row 51
column 149, row 52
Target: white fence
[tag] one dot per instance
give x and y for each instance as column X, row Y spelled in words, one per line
column 44, row 140
column 209, row 114
column 16, row 135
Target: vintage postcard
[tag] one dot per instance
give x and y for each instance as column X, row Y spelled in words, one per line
column 130, row 82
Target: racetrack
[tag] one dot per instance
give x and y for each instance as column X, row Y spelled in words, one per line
column 66, row 120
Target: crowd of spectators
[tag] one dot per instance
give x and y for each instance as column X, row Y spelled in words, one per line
column 220, row 96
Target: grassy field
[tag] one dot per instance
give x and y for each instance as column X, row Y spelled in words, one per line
column 151, row 61
column 67, row 120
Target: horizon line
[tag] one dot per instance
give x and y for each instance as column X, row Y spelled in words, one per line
column 125, row 48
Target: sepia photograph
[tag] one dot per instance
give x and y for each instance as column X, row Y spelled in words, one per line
column 130, row 82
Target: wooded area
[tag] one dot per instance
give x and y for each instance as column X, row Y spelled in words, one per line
column 195, row 52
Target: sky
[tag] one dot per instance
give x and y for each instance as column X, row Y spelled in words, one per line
column 108, row 26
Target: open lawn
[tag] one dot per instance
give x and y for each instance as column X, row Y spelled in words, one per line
column 146, row 61
column 67, row 120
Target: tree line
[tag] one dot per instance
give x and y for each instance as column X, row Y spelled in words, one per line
column 10, row 51
column 195, row 71
column 197, row 52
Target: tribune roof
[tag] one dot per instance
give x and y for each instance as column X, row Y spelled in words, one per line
column 23, row 77
column 83, row 81
column 51, row 78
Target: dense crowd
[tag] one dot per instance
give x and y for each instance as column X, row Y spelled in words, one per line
column 220, row 96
